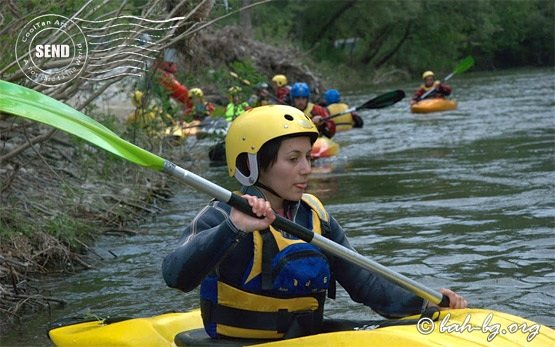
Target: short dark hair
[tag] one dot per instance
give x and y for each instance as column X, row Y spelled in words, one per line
column 267, row 155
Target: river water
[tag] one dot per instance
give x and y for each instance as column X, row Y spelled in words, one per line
column 461, row 199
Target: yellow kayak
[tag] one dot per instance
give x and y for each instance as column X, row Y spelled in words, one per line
column 209, row 126
column 183, row 130
column 324, row 147
column 433, row 105
column 468, row 327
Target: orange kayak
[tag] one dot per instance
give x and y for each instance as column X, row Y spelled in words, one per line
column 324, row 147
column 433, row 105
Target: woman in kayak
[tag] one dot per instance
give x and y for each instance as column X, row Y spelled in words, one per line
column 441, row 90
column 260, row 282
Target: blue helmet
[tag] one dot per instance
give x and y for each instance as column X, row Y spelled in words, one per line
column 300, row 90
column 332, row 96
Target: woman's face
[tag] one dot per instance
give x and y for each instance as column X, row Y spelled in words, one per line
column 288, row 176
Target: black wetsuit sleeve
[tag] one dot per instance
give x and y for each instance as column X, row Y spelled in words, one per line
column 383, row 296
column 202, row 246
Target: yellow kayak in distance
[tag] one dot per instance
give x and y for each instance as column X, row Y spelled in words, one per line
column 183, row 130
column 433, row 105
column 207, row 127
column 467, row 327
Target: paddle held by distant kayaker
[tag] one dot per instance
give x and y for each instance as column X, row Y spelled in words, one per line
column 260, row 282
column 440, row 90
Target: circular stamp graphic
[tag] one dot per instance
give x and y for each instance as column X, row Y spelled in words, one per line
column 51, row 50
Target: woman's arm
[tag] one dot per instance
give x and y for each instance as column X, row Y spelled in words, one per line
column 214, row 232
column 202, row 246
column 383, row 296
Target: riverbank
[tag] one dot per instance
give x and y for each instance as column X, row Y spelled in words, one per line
column 57, row 197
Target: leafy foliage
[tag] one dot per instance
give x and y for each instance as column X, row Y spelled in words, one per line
column 412, row 34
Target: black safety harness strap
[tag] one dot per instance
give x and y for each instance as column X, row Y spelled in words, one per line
column 292, row 324
column 269, row 250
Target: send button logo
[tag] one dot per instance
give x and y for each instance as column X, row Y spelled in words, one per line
column 51, row 50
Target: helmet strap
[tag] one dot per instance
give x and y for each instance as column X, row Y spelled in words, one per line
column 262, row 185
column 253, row 175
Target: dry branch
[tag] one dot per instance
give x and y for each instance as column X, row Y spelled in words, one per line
column 28, row 144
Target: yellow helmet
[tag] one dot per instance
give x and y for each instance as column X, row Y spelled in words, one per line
column 196, row 92
column 137, row 98
column 252, row 129
column 427, row 74
column 280, row 80
column 234, row 90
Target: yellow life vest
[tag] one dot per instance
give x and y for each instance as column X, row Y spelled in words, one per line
column 261, row 312
column 308, row 110
column 343, row 122
column 423, row 86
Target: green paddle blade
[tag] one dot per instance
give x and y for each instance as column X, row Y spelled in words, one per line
column 383, row 100
column 27, row 103
column 464, row 65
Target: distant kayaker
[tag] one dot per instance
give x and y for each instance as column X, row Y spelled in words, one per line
column 235, row 107
column 261, row 96
column 281, row 88
column 257, row 281
column 343, row 121
column 165, row 75
column 148, row 116
column 441, row 90
column 300, row 98
column 201, row 108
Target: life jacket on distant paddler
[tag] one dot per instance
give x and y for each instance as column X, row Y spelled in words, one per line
column 235, row 107
column 343, row 122
column 282, row 292
column 332, row 99
column 423, row 86
column 326, row 127
column 424, row 89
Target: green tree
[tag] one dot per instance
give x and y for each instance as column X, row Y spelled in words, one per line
column 423, row 34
